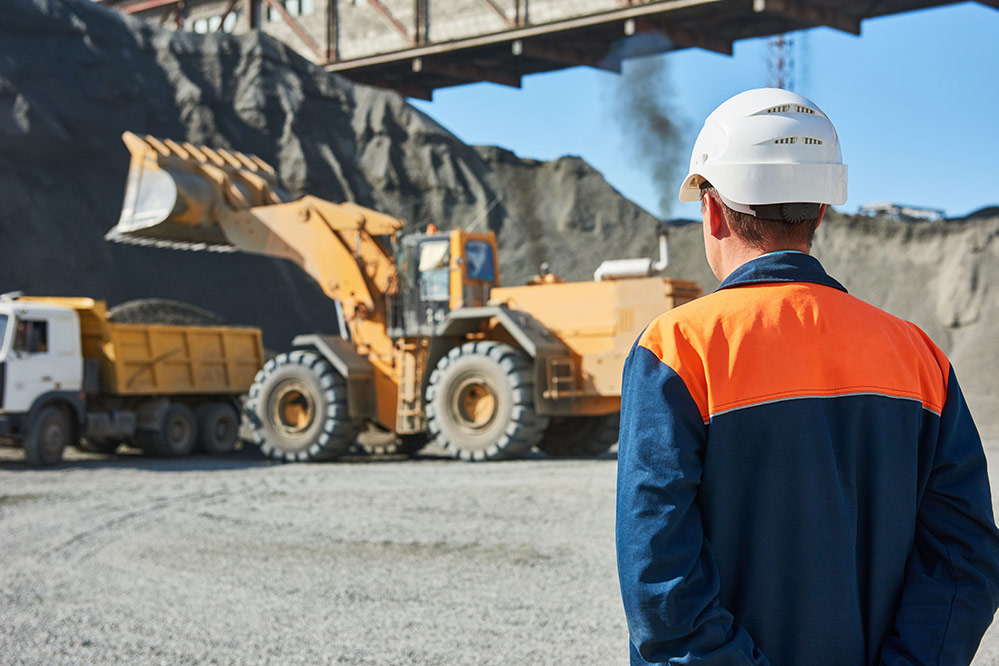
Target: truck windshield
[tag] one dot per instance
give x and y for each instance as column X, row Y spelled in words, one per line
column 3, row 328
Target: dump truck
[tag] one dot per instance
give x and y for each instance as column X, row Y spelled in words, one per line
column 71, row 375
column 430, row 345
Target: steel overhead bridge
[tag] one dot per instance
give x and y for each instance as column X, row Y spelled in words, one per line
column 417, row 46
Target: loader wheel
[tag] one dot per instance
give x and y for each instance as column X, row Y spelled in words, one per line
column 48, row 437
column 298, row 409
column 218, row 428
column 480, row 403
column 581, row 436
column 174, row 438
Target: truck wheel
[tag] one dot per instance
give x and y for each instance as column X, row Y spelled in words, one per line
column 218, row 428
column 480, row 403
column 298, row 409
column 48, row 437
column 176, row 435
column 581, row 436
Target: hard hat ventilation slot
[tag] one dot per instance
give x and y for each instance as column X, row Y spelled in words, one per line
column 791, row 108
column 807, row 140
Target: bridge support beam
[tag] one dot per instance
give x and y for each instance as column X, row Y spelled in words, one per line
column 560, row 55
column 464, row 73
column 809, row 14
column 683, row 37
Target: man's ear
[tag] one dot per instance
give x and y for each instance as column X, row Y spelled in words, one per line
column 822, row 211
column 714, row 218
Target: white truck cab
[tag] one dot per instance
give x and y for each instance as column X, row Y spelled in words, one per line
column 39, row 353
column 70, row 375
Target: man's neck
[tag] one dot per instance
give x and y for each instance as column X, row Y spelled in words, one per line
column 736, row 255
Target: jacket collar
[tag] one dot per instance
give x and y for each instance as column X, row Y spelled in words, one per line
column 785, row 266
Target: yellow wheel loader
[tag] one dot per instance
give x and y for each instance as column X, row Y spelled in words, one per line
column 430, row 346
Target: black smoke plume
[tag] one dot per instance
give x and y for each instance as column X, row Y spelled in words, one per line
column 645, row 110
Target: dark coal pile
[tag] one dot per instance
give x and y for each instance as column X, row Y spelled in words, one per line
column 74, row 76
column 163, row 311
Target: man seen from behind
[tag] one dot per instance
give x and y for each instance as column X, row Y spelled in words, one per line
column 799, row 480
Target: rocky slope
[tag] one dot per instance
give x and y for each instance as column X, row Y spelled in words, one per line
column 74, row 76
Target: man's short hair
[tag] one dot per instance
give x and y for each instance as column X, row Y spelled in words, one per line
column 763, row 234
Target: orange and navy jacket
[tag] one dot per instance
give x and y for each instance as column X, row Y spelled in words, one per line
column 799, row 482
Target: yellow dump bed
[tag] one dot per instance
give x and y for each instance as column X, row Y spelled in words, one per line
column 155, row 359
column 160, row 359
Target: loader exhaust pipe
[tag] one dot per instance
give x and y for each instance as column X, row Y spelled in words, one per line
column 617, row 269
column 662, row 230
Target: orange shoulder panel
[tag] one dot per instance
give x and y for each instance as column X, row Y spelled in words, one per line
column 763, row 343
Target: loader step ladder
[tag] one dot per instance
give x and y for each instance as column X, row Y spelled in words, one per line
column 560, row 378
column 409, row 410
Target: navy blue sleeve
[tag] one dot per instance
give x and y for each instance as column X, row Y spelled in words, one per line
column 669, row 579
column 951, row 586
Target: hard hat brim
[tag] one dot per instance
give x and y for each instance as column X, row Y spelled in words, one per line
column 756, row 184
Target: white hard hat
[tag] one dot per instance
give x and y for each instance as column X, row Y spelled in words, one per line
column 767, row 146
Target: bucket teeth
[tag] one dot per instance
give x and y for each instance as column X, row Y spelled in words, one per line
column 177, row 193
column 129, row 239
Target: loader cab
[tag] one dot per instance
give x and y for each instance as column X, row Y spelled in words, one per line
column 439, row 273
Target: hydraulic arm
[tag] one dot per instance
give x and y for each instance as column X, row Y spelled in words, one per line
column 198, row 198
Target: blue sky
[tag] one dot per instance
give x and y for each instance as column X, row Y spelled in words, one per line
column 915, row 100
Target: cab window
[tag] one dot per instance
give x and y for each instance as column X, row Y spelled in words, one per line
column 31, row 336
column 434, row 271
column 479, row 258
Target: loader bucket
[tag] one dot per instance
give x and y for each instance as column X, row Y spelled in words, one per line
column 177, row 195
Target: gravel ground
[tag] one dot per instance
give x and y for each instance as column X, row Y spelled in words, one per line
column 241, row 561
column 231, row 561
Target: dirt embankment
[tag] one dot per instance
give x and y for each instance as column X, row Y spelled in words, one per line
column 74, row 76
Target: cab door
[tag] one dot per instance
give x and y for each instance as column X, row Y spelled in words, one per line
column 475, row 269
column 43, row 356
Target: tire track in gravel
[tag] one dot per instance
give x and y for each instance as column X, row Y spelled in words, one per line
column 66, row 550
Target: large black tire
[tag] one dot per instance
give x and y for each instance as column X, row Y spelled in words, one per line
column 175, row 436
column 49, row 435
column 581, row 436
column 298, row 408
column 480, row 403
column 218, row 428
